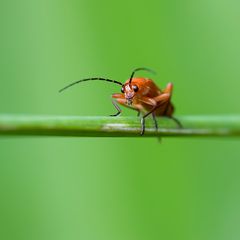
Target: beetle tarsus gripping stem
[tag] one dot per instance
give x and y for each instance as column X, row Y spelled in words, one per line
column 116, row 114
column 176, row 121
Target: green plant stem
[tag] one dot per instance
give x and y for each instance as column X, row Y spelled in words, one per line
column 117, row 126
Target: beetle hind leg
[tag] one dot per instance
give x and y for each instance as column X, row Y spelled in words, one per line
column 176, row 121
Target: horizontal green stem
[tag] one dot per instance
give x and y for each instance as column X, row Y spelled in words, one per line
column 117, row 126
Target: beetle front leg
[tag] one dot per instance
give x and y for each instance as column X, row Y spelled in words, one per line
column 120, row 98
column 117, row 107
column 117, row 96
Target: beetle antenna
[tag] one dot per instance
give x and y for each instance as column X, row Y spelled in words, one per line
column 90, row 79
column 139, row 69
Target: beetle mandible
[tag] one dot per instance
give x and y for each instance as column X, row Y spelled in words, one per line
column 142, row 95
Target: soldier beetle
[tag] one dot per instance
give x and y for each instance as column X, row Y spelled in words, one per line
column 142, row 95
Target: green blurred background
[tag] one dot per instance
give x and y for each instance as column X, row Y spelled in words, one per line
column 112, row 188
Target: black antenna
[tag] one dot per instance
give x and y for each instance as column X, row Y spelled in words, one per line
column 139, row 69
column 90, row 79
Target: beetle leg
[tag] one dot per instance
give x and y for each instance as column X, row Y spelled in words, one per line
column 176, row 121
column 156, row 125
column 162, row 99
column 151, row 102
column 120, row 98
column 155, row 120
column 117, row 96
column 118, row 109
column 168, row 89
column 142, row 125
column 155, row 103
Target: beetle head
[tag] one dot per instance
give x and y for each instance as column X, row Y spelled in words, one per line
column 130, row 91
column 130, row 88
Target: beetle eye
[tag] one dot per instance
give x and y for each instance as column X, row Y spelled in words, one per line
column 122, row 89
column 135, row 88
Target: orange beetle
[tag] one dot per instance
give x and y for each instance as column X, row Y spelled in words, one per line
column 142, row 95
